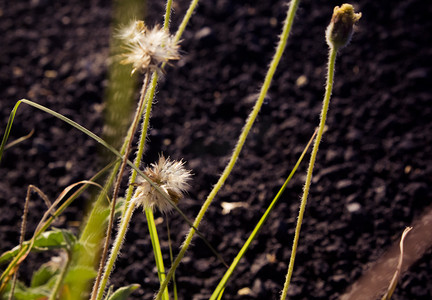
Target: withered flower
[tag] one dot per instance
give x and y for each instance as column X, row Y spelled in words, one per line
column 171, row 176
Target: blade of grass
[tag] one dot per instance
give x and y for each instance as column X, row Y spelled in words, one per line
column 221, row 293
column 57, row 115
column 171, row 257
column 221, row 286
column 21, row 139
column 156, row 248
column 73, row 124
column 8, row 129
column 394, row 281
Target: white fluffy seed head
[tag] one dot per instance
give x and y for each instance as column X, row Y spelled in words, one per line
column 171, row 176
column 147, row 49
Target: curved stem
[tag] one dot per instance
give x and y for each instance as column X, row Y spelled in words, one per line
column 251, row 119
column 329, row 86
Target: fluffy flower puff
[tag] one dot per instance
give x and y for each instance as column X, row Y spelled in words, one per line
column 171, row 176
column 147, row 49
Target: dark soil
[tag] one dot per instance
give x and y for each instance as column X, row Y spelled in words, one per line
column 373, row 174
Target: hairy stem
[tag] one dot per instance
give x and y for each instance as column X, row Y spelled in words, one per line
column 186, row 19
column 251, row 119
column 143, row 136
column 115, row 249
column 134, row 126
column 326, row 101
column 167, row 17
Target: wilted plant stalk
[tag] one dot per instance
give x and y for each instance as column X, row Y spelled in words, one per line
column 338, row 35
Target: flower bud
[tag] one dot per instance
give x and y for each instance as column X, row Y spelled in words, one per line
column 340, row 29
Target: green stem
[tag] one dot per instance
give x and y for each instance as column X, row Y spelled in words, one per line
column 171, row 257
column 148, row 104
column 115, row 249
column 251, row 119
column 329, row 86
column 95, row 226
column 185, row 20
column 149, row 101
column 135, row 121
column 149, row 214
column 143, row 136
column 167, row 17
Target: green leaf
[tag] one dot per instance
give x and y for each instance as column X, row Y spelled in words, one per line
column 8, row 255
column 43, row 275
column 23, row 292
column 49, row 240
column 123, row 292
column 118, row 209
column 81, row 273
column 37, row 293
column 110, row 291
column 54, row 239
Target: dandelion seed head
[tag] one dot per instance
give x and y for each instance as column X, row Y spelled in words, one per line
column 147, row 49
column 171, row 176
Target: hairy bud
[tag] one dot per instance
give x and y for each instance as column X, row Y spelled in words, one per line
column 340, row 29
